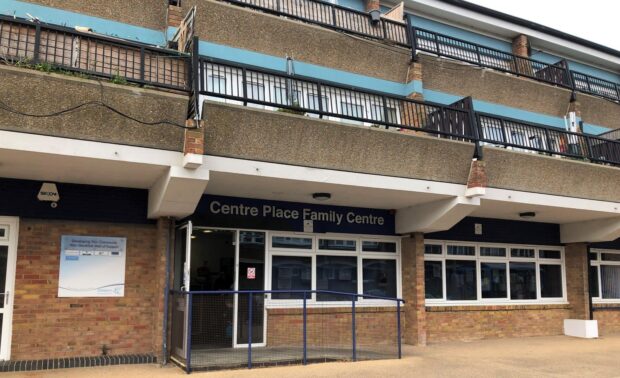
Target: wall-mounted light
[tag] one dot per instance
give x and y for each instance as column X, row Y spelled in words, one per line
column 321, row 196
column 207, row 231
column 527, row 215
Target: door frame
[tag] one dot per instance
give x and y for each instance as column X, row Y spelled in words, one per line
column 7, row 310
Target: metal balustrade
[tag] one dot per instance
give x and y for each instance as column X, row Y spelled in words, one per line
column 233, row 328
column 36, row 44
column 595, row 86
column 325, row 100
column 334, row 17
column 519, row 135
column 446, row 46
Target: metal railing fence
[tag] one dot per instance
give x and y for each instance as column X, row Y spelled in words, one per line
column 595, row 86
column 446, row 46
column 333, row 16
column 315, row 98
column 37, row 44
column 233, row 329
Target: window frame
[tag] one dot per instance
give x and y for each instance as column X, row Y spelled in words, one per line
column 597, row 263
column 497, row 259
column 314, row 252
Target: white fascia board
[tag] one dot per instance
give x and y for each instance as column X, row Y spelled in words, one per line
column 42, row 144
column 505, row 195
column 469, row 15
column 328, row 176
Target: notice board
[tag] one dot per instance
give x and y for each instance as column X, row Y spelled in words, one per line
column 92, row 266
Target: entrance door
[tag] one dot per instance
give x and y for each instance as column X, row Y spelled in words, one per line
column 8, row 253
column 251, row 276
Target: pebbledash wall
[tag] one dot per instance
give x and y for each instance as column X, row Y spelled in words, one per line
column 46, row 326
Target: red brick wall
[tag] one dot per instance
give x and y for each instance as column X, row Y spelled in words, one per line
column 482, row 322
column 45, row 326
column 331, row 327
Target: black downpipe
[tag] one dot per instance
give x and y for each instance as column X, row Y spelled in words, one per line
column 169, row 241
column 591, row 312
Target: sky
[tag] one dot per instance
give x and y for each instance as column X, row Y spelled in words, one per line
column 594, row 20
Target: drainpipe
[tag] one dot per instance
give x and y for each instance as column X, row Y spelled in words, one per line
column 373, row 7
column 164, row 347
column 591, row 312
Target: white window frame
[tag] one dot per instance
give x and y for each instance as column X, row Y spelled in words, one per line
column 315, row 251
column 497, row 259
column 597, row 263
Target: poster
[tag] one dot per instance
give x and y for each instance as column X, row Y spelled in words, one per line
column 92, row 266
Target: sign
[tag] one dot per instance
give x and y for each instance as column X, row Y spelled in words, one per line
column 48, row 192
column 220, row 211
column 251, row 273
column 92, row 266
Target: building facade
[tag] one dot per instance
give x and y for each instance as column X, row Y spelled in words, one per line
column 182, row 177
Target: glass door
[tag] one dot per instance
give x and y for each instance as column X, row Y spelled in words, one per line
column 251, row 276
column 8, row 253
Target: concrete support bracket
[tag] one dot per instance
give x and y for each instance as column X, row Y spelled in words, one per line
column 598, row 230
column 177, row 192
column 435, row 216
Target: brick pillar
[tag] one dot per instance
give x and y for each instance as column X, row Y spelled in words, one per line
column 477, row 180
column 575, row 106
column 413, row 289
column 521, row 46
column 410, row 114
column 577, row 286
column 159, row 275
column 372, row 5
column 175, row 15
column 194, row 138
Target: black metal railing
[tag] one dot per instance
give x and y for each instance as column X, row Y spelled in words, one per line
column 320, row 99
column 595, row 86
column 446, row 46
column 520, row 135
column 50, row 47
column 233, row 329
column 334, row 17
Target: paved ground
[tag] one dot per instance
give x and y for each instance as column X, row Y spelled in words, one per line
column 556, row 356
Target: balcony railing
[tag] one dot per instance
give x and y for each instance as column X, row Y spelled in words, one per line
column 334, row 17
column 232, row 329
column 595, row 86
column 319, row 99
column 519, row 135
column 50, row 47
column 446, row 46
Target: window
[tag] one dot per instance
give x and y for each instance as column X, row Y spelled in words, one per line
column 313, row 103
column 337, row 245
column 377, row 113
column 216, row 84
column 256, row 91
column 493, row 280
column 499, row 274
column 550, row 281
column 605, row 276
column 460, row 280
column 336, row 273
column 291, row 242
column 352, row 110
column 522, row 280
column 373, row 246
column 433, row 279
column 290, row 273
column 379, row 277
column 281, row 96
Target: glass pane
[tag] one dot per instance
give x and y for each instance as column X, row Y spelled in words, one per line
column 522, row 280
column 550, row 281
column 4, row 255
column 291, row 242
column 461, row 250
column 291, row 273
column 610, row 281
column 432, row 249
column 593, row 256
column 461, row 280
column 379, row 277
column 337, row 245
column 3, row 232
column 251, row 277
column 212, row 260
column 610, row 256
column 549, row 254
column 522, row 252
column 594, row 281
column 180, row 241
column 493, row 251
column 493, row 280
column 336, row 273
column 433, row 284
column 373, row 246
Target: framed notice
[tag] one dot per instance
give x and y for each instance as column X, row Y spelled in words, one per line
column 92, row 266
